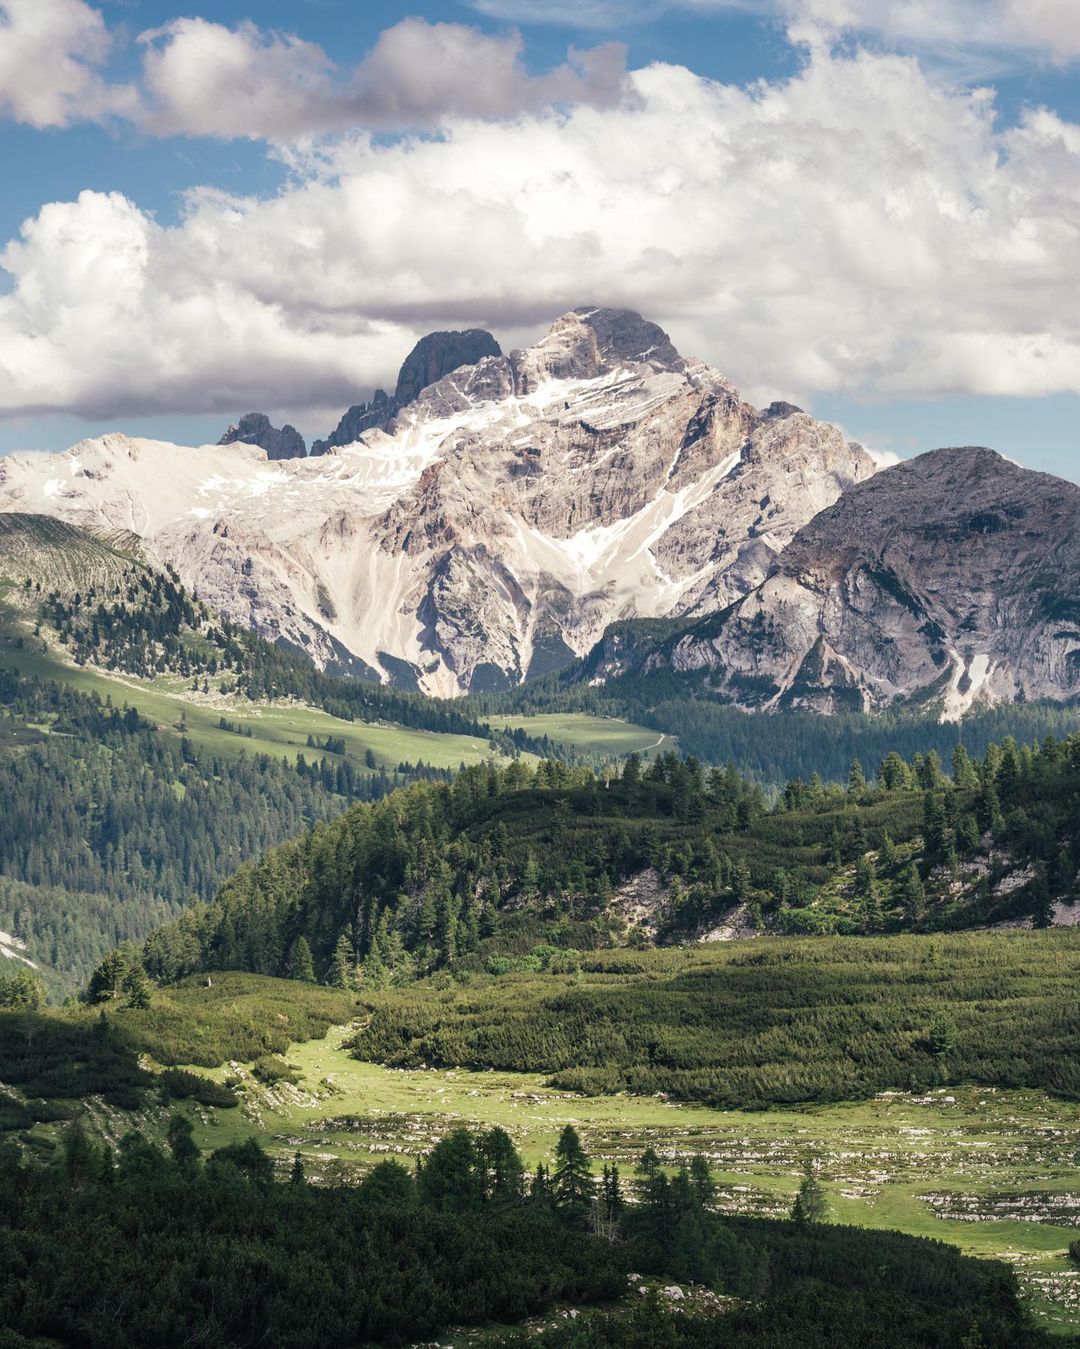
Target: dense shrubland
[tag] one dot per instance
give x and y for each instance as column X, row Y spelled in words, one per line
column 766, row 1023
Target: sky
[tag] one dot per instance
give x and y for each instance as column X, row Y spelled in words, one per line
column 867, row 207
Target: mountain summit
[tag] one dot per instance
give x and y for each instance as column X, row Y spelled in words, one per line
column 255, row 428
column 494, row 524
column 950, row 577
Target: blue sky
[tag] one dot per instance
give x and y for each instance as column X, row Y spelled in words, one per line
column 869, row 207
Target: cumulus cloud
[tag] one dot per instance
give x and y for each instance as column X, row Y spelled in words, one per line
column 201, row 78
column 860, row 227
column 205, row 79
column 112, row 315
column 51, row 56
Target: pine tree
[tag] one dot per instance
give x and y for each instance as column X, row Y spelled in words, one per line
column 107, row 981
column 501, row 1168
column 342, row 972
column 911, row 894
column 608, row 1205
column 811, row 1205
column 303, row 967
column 701, row 1181
column 136, row 987
column 297, row 1175
column 573, row 1183
column 963, row 770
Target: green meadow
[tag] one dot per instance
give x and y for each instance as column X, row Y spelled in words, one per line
column 283, row 727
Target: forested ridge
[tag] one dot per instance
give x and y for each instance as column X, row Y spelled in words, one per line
column 772, row 748
column 511, row 860
column 146, row 623
column 109, row 826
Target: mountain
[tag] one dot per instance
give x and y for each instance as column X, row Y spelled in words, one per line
column 516, row 507
column 254, row 428
column 952, row 576
column 433, row 357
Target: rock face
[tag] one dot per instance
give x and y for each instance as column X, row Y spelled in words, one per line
column 433, row 357
column 954, row 577
column 514, row 509
column 254, row 428
column 437, row 355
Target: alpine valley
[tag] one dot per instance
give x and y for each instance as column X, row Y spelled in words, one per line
column 613, row 850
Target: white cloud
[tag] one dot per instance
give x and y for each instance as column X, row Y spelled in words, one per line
column 861, row 227
column 956, row 29
column 51, row 55
column 201, row 78
column 113, row 315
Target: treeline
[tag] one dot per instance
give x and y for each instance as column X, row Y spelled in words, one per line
column 771, row 749
column 773, row 1022
column 437, row 871
column 450, row 875
column 232, row 1257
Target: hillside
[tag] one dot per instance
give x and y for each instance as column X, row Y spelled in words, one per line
column 158, row 747
column 508, row 861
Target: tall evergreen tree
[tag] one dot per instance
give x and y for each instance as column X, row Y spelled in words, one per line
column 573, row 1182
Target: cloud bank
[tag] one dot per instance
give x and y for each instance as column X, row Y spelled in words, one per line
column 861, row 227
column 199, row 78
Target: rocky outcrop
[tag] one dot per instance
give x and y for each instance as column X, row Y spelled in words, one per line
column 437, row 355
column 254, row 428
column 950, row 578
column 433, row 357
column 496, row 524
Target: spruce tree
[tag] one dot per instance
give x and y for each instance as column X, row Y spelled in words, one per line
column 573, row 1183
column 342, row 972
column 811, row 1205
column 303, row 967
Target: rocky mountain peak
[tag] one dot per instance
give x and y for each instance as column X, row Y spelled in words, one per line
column 431, row 360
column 493, row 526
column 437, row 355
column 255, row 428
column 589, row 342
column 944, row 580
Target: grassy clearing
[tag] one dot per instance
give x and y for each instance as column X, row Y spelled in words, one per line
column 884, row 1162
column 276, row 728
column 595, row 735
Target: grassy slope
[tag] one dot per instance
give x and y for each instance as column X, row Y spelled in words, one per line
column 283, row 728
column 879, row 1159
column 599, row 735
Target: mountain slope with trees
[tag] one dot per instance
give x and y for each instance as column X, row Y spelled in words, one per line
column 505, row 859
